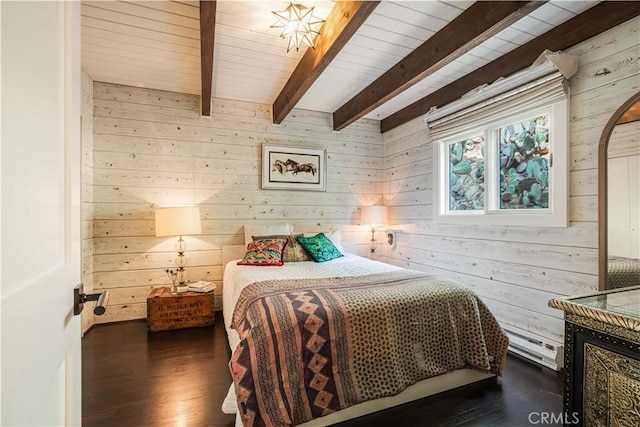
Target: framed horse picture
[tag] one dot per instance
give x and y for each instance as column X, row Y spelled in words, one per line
column 293, row 168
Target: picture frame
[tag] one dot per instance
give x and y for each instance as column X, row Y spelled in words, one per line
column 293, row 168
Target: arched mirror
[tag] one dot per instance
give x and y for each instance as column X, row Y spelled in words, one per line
column 619, row 198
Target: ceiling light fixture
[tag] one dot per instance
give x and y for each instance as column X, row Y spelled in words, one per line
column 298, row 24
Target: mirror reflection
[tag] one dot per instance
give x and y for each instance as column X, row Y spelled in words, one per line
column 623, row 201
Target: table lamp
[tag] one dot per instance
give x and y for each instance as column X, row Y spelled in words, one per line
column 374, row 215
column 178, row 221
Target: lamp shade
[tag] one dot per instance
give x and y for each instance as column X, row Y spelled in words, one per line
column 178, row 221
column 374, row 215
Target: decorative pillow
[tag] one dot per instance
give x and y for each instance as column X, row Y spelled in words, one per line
column 265, row 252
column 320, row 248
column 265, row 230
column 334, row 236
column 293, row 252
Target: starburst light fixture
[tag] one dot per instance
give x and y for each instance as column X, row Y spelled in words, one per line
column 298, row 24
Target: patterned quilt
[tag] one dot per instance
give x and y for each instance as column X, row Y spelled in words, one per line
column 314, row 346
column 623, row 272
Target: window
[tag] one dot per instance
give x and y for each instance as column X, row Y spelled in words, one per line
column 524, row 163
column 506, row 169
column 466, row 173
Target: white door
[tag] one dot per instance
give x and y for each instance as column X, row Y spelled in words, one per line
column 40, row 213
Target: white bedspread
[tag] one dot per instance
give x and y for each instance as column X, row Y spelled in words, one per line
column 237, row 277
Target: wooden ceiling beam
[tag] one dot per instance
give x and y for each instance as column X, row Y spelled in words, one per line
column 343, row 21
column 472, row 27
column 207, row 39
column 588, row 24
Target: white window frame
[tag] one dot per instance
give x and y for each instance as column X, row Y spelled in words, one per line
column 554, row 216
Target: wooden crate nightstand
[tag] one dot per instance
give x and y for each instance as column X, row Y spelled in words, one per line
column 166, row 311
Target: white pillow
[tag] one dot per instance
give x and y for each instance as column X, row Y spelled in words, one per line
column 265, row 230
column 334, row 236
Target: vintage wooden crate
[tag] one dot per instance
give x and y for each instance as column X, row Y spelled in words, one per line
column 185, row 310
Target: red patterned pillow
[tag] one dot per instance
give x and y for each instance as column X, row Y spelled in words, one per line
column 265, row 252
column 293, row 252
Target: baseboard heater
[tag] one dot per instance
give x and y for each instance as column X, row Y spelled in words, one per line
column 535, row 349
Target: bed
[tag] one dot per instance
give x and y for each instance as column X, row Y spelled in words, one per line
column 318, row 343
column 623, row 272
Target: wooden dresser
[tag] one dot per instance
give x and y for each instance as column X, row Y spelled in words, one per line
column 602, row 358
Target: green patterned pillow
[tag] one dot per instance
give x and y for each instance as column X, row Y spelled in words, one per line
column 320, row 248
column 293, row 252
column 265, row 252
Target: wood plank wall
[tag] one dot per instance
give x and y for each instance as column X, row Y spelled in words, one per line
column 516, row 270
column 624, row 140
column 152, row 149
column 623, row 203
column 87, row 194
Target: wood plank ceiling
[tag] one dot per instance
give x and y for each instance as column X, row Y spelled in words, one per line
column 156, row 44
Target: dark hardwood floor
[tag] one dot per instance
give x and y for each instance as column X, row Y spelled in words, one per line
column 180, row 378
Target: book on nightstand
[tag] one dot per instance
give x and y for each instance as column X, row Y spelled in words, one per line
column 201, row 286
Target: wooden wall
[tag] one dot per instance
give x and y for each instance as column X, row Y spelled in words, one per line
column 516, row 270
column 87, row 194
column 152, row 149
column 624, row 141
column 623, row 192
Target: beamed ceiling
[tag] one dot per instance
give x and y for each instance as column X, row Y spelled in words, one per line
column 388, row 60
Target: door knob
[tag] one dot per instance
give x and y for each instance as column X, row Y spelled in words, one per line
column 79, row 298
